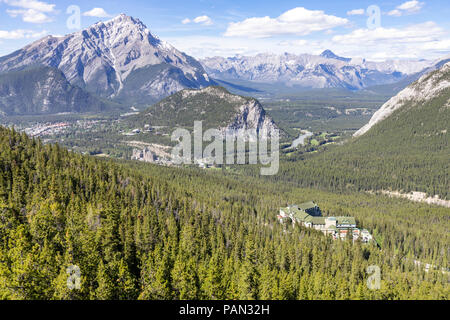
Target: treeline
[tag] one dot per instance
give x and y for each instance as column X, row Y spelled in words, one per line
column 142, row 232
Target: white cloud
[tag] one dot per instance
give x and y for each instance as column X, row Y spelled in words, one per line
column 294, row 43
column 31, row 4
column 21, row 34
column 97, row 13
column 297, row 21
column 409, row 7
column 412, row 6
column 205, row 20
column 395, row 13
column 31, row 11
column 209, row 46
column 30, row 15
column 424, row 32
column 426, row 40
column 356, row 12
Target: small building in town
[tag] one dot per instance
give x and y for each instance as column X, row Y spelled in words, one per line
column 144, row 155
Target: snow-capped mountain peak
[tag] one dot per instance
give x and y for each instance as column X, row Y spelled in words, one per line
column 327, row 70
column 331, row 55
column 102, row 57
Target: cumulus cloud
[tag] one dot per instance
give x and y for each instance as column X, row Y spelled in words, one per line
column 423, row 32
column 21, row 34
column 356, row 12
column 30, row 15
column 186, row 21
column 297, row 21
column 409, row 7
column 97, row 13
column 31, row 11
column 31, row 4
column 424, row 40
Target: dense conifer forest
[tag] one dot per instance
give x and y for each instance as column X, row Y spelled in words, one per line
column 409, row 151
column 138, row 231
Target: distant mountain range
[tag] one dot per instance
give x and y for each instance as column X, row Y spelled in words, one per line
column 119, row 60
column 120, row 63
column 327, row 70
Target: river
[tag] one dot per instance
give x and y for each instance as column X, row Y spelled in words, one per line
column 301, row 139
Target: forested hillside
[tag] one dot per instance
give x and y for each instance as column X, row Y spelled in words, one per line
column 407, row 151
column 214, row 106
column 140, row 231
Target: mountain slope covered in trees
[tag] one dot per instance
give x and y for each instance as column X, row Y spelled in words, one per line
column 214, row 105
column 139, row 231
column 405, row 148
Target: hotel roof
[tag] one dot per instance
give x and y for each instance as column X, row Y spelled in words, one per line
column 346, row 220
column 307, row 205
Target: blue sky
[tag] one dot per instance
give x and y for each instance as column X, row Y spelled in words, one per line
column 407, row 29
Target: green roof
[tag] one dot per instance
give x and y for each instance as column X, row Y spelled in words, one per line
column 302, row 216
column 307, row 205
column 291, row 209
column 299, row 213
column 318, row 220
column 346, row 220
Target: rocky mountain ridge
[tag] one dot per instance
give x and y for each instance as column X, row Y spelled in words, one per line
column 426, row 88
column 310, row 71
column 43, row 90
column 119, row 59
column 215, row 106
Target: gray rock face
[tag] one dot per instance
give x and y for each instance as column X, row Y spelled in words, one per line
column 251, row 115
column 214, row 106
column 105, row 59
column 246, row 113
column 426, row 88
column 43, row 90
column 310, row 71
column 331, row 55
